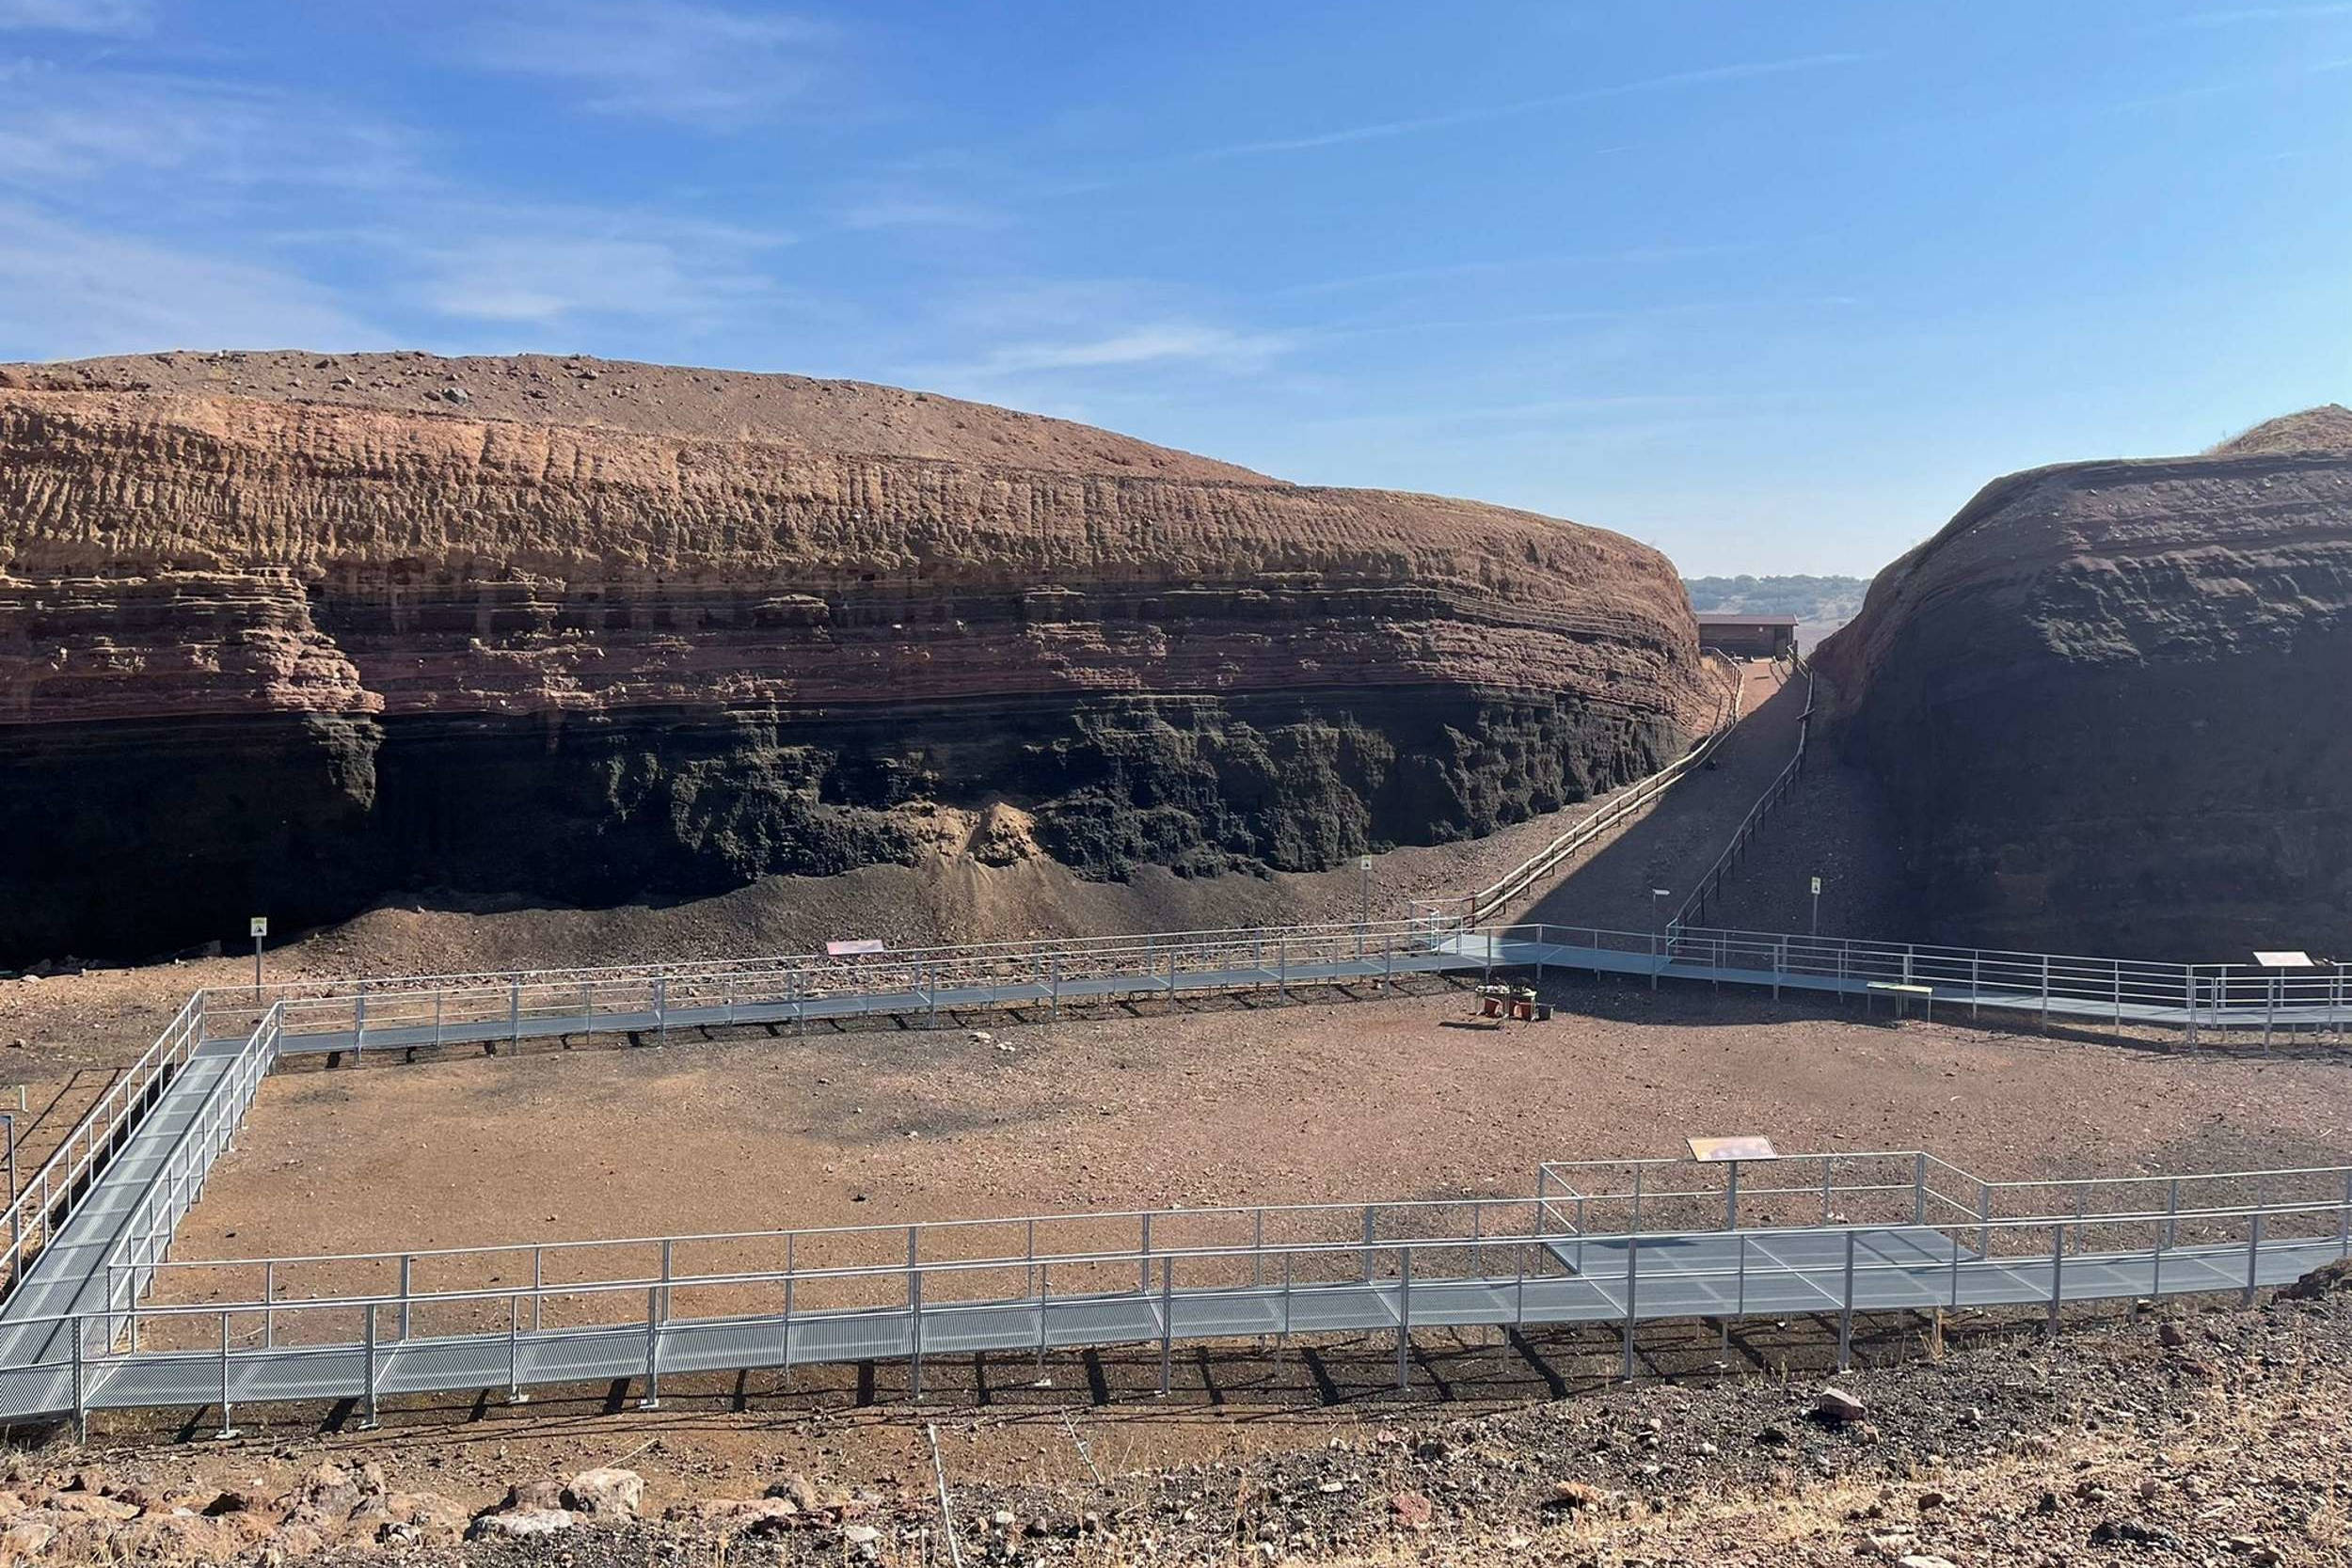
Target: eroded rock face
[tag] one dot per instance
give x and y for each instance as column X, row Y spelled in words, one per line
column 261, row 652
column 2109, row 701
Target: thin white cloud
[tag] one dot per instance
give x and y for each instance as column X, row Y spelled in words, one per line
column 74, row 128
column 2233, row 16
column 482, row 263
column 111, row 18
column 66, row 291
column 1485, row 266
column 1380, row 130
column 915, row 211
column 698, row 65
column 1159, row 342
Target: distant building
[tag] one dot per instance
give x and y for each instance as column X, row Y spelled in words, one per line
column 1753, row 636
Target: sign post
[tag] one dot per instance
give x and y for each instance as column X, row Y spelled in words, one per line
column 1817, row 906
column 259, row 926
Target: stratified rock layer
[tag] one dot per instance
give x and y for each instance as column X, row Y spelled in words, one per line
column 2109, row 703
column 263, row 654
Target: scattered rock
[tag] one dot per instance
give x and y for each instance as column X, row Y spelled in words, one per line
column 1412, row 1510
column 533, row 1496
column 1835, row 1404
column 607, row 1493
column 522, row 1524
column 798, row 1490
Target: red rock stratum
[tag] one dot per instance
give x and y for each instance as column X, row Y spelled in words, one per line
column 2108, row 702
column 293, row 631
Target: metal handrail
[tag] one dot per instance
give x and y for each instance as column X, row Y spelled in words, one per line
column 1516, row 881
column 32, row 1211
column 1352, row 1248
column 1713, row 879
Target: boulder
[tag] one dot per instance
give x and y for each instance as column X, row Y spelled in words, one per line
column 1835, row 1404
column 533, row 1496
column 607, row 1493
column 522, row 1524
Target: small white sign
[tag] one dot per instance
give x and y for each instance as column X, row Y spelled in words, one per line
column 258, row 925
column 853, row 949
column 2285, row 960
column 1816, row 887
column 1747, row 1146
column 1363, row 863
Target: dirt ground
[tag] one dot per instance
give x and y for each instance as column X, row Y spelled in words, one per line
column 1313, row 1102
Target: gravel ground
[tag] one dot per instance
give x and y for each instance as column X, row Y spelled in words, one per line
column 2197, row 1436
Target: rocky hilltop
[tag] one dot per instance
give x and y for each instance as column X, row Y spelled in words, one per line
column 2108, row 702
column 290, row 632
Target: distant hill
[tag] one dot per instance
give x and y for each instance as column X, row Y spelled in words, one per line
column 1830, row 601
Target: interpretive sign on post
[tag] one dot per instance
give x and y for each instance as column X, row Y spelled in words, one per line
column 1746, row 1148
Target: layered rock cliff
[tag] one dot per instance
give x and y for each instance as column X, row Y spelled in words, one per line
column 286, row 633
column 2108, row 702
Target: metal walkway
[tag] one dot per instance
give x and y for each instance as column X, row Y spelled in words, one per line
column 1623, row 1280
column 1338, row 1270
column 1780, row 963
column 90, row 1234
column 67, row 1279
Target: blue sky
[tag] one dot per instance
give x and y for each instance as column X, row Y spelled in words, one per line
column 1772, row 285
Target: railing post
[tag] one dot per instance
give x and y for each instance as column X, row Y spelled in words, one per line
column 406, row 1263
column 915, row 1332
column 269, row 1304
column 1143, row 1261
column 1844, row 1310
column 515, row 1013
column 1731, row 1197
column 1984, row 1220
column 81, row 1394
column 228, row 1419
column 1405, row 1321
column 2172, row 1211
column 514, row 1351
column 1919, row 1187
column 661, row 1008
column 367, row 1406
column 2057, row 1273
column 1052, row 975
column 1167, row 1323
column 2253, row 1255
column 652, row 1397
column 1368, row 1222
column 1632, row 1285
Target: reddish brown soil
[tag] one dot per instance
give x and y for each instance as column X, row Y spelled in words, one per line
column 653, row 400
column 1308, row 1103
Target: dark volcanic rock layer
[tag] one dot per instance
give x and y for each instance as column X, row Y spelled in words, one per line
column 265, row 654
column 2110, row 703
